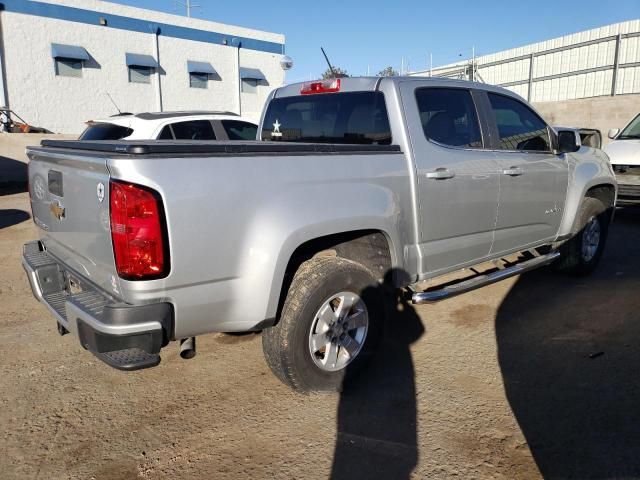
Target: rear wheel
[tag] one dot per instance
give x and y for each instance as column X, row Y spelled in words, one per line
column 581, row 254
column 329, row 327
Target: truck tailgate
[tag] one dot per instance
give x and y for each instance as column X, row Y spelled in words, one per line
column 69, row 194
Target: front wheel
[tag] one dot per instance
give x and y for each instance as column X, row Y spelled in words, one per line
column 329, row 327
column 581, row 254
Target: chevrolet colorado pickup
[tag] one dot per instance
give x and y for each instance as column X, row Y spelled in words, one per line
column 355, row 185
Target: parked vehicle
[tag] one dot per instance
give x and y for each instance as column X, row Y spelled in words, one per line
column 190, row 125
column 624, row 153
column 358, row 183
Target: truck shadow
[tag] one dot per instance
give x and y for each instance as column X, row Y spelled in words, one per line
column 377, row 435
column 12, row 217
column 569, row 353
column 13, row 176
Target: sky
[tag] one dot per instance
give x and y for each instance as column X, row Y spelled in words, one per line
column 367, row 36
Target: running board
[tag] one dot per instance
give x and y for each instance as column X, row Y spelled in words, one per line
column 484, row 279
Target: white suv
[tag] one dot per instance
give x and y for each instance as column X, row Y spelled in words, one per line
column 624, row 152
column 171, row 126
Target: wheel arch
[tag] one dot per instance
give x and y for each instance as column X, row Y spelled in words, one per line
column 373, row 248
column 605, row 192
column 588, row 179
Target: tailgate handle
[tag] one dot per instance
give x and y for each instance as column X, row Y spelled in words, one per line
column 441, row 174
column 55, row 183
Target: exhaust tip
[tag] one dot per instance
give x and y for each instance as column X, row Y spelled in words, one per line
column 188, row 348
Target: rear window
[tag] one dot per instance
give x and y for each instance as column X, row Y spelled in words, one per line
column 350, row 117
column 105, row 131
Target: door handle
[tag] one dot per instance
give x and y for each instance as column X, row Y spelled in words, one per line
column 513, row 171
column 441, row 174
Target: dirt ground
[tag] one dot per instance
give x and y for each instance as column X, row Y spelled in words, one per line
column 529, row 378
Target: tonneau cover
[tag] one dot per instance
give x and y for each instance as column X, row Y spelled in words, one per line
column 145, row 147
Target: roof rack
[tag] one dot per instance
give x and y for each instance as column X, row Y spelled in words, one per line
column 184, row 113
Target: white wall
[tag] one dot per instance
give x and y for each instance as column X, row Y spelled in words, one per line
column 219, row 94
column 63, row 104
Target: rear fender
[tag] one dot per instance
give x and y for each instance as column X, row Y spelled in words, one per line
column 277, row 227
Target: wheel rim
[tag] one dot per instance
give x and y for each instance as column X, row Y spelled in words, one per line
column 590, row 239
column 338, row 331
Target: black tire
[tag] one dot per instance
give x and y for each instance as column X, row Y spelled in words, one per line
column 572, row 259
column 286, row 345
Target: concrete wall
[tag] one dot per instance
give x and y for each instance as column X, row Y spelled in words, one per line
column 63, row 104
column 602, row 113
column 13, row 161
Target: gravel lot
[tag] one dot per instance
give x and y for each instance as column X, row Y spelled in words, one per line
column 532, row 377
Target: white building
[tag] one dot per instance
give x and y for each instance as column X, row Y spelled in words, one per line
column 60, row 59
column 601, row 61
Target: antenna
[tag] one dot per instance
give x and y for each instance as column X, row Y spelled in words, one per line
column 333, row 72
column 114, row 103
column 188, row 5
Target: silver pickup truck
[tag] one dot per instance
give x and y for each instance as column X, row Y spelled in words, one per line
column 356, row 185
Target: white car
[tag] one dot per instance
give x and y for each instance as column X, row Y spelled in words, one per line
column 624, row 152
column 171, row 126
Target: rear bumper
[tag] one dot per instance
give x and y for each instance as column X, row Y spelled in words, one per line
column 127, row 337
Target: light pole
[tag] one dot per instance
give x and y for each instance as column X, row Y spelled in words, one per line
column 188, row 5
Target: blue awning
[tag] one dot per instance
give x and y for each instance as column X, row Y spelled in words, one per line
column 251, row 74
column 68, row 51
column 200, row 67
column 140, row 60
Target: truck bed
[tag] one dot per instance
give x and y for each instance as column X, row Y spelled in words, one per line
column 234, row 213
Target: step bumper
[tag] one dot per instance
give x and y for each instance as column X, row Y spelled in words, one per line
column 126, row 337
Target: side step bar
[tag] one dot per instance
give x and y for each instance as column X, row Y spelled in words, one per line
column 484, row 279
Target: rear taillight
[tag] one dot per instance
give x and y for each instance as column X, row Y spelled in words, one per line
column 138, row 232
column 322, row 86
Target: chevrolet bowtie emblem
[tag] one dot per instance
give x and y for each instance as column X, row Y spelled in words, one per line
column 57, row 209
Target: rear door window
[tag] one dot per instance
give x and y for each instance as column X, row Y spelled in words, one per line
column 193, row 130
column 347, row 118
column 237, row 130
column 105, row 131
column 448, row 117
column 519, row 127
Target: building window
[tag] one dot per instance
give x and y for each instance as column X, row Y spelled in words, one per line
column 198, row 80
column 249, row 85
column 68, row 67
column 139, row 74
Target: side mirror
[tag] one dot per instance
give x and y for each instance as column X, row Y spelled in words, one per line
column 568, row 141
column 613, row 132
